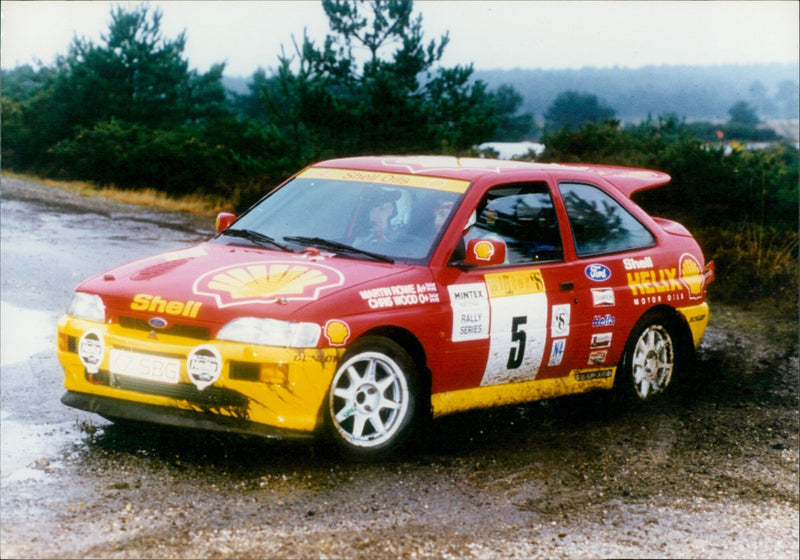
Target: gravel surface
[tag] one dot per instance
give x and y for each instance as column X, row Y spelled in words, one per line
column 711, row 472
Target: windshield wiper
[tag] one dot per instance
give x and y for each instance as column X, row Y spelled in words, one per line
column 257, row 238
column 337, row 247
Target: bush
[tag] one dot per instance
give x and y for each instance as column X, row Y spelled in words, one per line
column 752, row 263
column 220, row 161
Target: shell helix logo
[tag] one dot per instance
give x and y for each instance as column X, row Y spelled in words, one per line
column 692, row 275
column 260, row 282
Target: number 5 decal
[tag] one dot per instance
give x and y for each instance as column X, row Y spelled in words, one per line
column 518, row 337
column 517, row 326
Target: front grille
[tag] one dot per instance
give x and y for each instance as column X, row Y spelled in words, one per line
column 210, row 396
column 187, row 331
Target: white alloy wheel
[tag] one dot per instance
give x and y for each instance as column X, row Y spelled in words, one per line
column 652, row 361
column 371, row 400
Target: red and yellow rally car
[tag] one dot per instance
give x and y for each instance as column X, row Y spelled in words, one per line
column 366, row 293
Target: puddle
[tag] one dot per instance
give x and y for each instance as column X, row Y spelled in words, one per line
column 31, row 451
column 24, row 332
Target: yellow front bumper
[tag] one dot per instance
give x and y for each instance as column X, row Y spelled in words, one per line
column 281, row 388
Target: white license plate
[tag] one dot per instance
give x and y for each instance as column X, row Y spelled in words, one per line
column 144, row 366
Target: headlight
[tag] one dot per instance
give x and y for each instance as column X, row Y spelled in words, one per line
column 271, row 332
column 87, row 306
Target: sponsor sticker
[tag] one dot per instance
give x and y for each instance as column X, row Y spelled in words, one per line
column 637, row 264
column 337, row 332
column 518, row 283
column 397, row 179
column 91, row 349
column 603, row 320
column 204, row 365
column 597, row 357
column 557, row 352
column 470, row 303
column 559, row 325
column 597, row 272
column 603, row 297
column 483, row 250
column 590, row 374
column 692, row 275
column 157, row 304
column 601, row 340
column 260, row 282
column 400, row 295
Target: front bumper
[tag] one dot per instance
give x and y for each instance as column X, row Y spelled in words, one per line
column 117, row 409
column 261, row 390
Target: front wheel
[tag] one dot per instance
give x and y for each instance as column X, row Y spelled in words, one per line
column 372, row 399
column 649, row 363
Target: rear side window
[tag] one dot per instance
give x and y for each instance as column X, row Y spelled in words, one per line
column 599, row 223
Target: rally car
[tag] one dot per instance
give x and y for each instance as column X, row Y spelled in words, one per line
column 366, row 294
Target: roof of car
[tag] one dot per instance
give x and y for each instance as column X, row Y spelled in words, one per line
column 627, row 179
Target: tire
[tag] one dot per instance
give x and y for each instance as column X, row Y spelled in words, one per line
column 372, row 401
column 650, row 360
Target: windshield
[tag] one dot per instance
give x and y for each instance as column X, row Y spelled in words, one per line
column 356, row 214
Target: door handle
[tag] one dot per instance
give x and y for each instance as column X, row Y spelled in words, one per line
column 566, row 286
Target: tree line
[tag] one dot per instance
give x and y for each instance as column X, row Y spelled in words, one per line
column 699, row 93
column 130, row 112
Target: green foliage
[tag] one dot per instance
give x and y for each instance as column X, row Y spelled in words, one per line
column 512, row 126
column 743, row 114
column 129, row 112
column 572, row 109
column 710, row 132
column 752, row 263
column 373, row 86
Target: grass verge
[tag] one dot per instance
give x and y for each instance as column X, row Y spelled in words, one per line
column 199, row 205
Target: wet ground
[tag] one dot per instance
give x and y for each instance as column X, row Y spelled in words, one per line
column 712, row 472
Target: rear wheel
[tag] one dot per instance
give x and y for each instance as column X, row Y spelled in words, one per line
column 649, row 362
column 372, row 399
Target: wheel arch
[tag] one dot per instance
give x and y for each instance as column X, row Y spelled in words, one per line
column 411, row 344
column 684, row 343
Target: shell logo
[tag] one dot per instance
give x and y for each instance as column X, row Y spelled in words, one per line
column 691, row 275
column 483, row 250
column 261, row 282
column 337, row 332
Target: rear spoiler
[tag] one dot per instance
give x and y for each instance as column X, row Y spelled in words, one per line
column 628, row 180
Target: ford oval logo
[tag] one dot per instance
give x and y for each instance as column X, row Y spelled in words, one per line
column 157, row 323
column 597, row 272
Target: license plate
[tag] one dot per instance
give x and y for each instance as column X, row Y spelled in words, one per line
column 145, row 366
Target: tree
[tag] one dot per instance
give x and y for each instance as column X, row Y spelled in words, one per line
column 374, row 86
column 743, row 114
column 572, row 109
column 512, row 126
column 135, row 75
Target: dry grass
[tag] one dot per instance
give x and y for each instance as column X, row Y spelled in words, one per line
column 753, row 264
column 193, row 204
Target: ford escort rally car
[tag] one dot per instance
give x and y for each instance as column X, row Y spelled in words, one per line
column 365, row 294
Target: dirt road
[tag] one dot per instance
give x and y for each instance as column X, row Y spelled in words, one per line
column 711, row 473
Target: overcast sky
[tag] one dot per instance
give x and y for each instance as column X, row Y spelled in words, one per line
column 489, row 34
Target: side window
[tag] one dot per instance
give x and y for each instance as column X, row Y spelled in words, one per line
column 599, row 223
column 523, row 216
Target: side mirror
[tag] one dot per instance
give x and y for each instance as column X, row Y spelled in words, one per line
column 485, row 252
column 224, row 221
